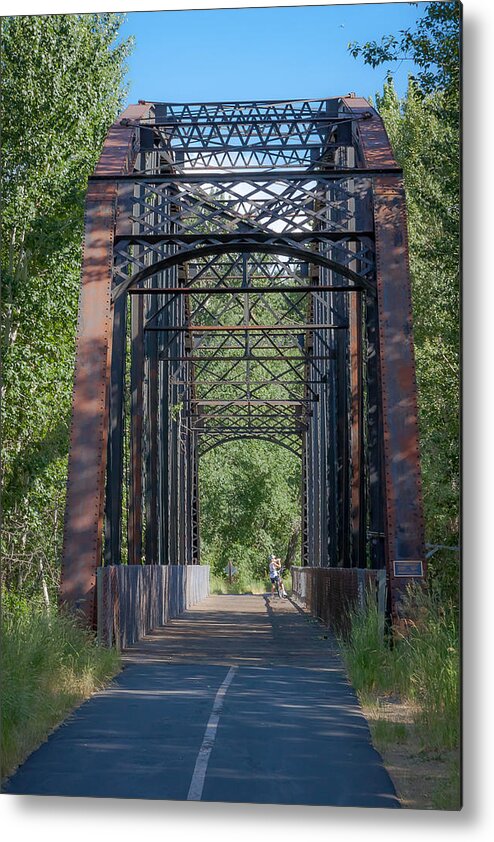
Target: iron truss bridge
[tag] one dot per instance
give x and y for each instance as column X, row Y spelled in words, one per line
column 245, row 276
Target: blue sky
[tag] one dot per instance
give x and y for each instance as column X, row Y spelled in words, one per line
column 271, row 53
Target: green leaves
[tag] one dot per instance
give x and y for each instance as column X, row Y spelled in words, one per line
column 426, row 143
column 249, row 504
column 434, row 47
column 62, row 87
column 424, row 133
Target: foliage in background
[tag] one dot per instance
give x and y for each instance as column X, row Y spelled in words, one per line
column 424, row 130
column 433, row 46
column 428, row 148
column 49, row 664
column 249, row 506
column 62, row 87
column 221, row 585
column 423, row 665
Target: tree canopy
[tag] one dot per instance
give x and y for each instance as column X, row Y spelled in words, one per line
column 250, row 505
column 424, row 130
column 62, row 87
column 434, row 48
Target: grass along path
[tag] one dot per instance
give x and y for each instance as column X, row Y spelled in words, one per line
column 410, row 693
column 49, row 666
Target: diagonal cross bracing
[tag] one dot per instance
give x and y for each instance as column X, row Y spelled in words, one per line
column 248, row 263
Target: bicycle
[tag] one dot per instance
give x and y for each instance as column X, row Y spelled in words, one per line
column 280, row 588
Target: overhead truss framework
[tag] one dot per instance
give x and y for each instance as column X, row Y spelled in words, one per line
column 245, row 276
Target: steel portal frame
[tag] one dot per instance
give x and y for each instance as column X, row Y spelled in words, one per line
column 245, row 276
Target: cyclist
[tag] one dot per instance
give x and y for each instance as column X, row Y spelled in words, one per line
column 274, row 566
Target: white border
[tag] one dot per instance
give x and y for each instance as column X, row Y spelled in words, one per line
column 78, row 820
column 38, row 7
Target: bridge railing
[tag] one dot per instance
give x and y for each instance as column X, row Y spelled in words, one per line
column 135, row 599
column 331, row 593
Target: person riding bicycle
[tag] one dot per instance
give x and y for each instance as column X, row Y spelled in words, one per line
column 274, row 567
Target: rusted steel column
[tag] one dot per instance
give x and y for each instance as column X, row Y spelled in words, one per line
column 357, row 515
column 304, row 505
column 194, row 455
column 113, row 505
column 82, row 546
column 183, row 497
column 404, row 523
column 404, row 512
column 374, row 439
column 152, row 473
column 173, row 457
column 343, row 449
column 189, row 551
column 332, row 513
column 323, row 455
column 135, row 524
column 164, row 500
column 83, row 528
column 196, row 539
column 182, row 493
column 332, row 456
column 190, row 555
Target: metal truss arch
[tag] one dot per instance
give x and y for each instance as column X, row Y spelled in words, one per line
column 244, row 276
column 271, row 440
column 180, row 258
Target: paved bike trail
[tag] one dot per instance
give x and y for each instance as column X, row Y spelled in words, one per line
column 242, row 699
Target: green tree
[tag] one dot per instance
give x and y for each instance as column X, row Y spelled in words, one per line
column 424, row 130
column 433, row 46
column 250, row 505
column 62, row 87
column 427, row 148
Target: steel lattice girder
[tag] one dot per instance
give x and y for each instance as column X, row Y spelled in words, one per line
column 264, row 248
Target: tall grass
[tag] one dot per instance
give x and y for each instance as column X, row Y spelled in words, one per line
column 240, row 585
column 420, row 663
column 367, row 657
column 49, row 665
column 430, row 650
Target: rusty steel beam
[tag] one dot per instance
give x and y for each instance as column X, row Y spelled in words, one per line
column 404, row 521
column 240, row 357
column 304, row 547
column 291, row 175
column 152, row 474
column 357, row 515
column 83, row 526
column 375, row 468
column 196, row 541
column 404, row 507
column 343, row 450
column 135, row 522
column 341, row 236
column 191, row 290
column 243, row 328
column 82, row 545
column 114, row 478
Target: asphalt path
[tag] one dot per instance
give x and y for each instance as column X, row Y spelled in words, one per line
column 242, row 699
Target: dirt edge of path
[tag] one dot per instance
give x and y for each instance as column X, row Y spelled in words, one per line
column 423, row 779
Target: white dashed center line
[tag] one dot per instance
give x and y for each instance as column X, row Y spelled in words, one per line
column 197, row 782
